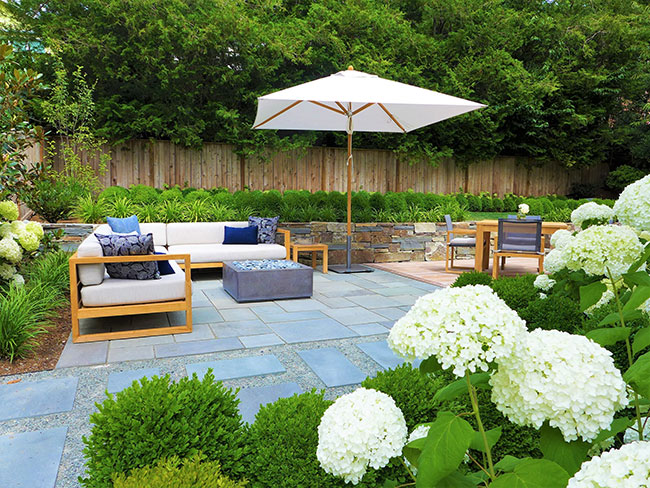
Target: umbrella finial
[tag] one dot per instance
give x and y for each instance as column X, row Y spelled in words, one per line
column 350, row 68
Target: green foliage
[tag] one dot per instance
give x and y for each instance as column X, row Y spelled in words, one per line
column 113, row 192
column 472, row 278
column 143, row 194
column 19, row 89
column 53, row 199
column 24, row 315
column 157, row 418
column 622, row 176
column 412, row 391
column 517, row 291
column 192, row 472
column 554, row 312
column 51, row 271
column 91, row 210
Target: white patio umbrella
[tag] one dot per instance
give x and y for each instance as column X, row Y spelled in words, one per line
column 355, row 101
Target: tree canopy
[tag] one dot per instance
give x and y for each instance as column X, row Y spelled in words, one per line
column 563, row 80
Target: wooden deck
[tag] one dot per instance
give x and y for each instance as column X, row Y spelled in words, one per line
column 434, row 271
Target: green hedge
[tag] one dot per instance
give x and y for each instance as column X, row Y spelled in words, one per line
column 200, row 205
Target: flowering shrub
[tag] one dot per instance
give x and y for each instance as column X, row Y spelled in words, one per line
column 360, row 429
column 628, row 466
column 601, row 248
column 564, row 379
column 633, row 205
column 561, row 238
column 15, row 237
column 591, row 213
column 544, row 283
column 465, row 328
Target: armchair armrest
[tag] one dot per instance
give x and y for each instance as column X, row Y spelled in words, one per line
column 286, row 240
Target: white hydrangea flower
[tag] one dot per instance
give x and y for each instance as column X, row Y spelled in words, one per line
column 524, row 208
column 561, row 238
column 465, row 328
column 632, row 435
column 603, row 247
column 10, row 250
column 645, row 235
column 5, row 230
column 543, row 296
column 633, row 205
column 607, row 297
column 19, row 280
column 591, row 211
column 555, row 261
column 360, row 429
column 17, row 227
column 35, row 228
column 627, row 467
column 419, row 432
column 29, row 241
column 7, row 271
column 543, row 282
column 8, row 210
column 567, row 380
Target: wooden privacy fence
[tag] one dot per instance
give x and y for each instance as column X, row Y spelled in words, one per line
column 157, row 163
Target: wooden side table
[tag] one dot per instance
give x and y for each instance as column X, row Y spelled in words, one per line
column 314, row 248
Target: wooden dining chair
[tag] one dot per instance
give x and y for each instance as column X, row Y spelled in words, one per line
column 453, row 243
column 518, row 238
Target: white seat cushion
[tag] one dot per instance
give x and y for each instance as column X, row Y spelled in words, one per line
column 90, row 274
column 217, row 253
column 181, row 233
column 158, row 230
column 463, row 242
column 127, row 292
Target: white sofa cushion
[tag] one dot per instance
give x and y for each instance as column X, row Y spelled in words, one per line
column 217, row 253
column 90, row 274
column 125, row 292
column 158, row 230
column 182, row 233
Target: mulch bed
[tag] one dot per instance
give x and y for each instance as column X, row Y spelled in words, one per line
column 45, row 356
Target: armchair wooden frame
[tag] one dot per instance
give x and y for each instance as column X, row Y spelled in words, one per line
column 78, row 311
column 286, row 242
column 458, row 269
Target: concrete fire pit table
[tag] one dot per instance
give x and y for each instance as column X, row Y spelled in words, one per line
column 267, row 279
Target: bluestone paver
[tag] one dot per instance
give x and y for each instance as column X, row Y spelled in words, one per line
column 136, row 353
column 382, row 354
column 301, row 305
column 31, row 459
column 238, row 314
column 392, row 313
column 368, row 329
column 332, row 367
column 141, row 341
column 274, row 317
column 197, row 347
column 200, row 332
column 238, row 368
column 251, row 399
column 124, row 379
column 261, row 340
column 83, row 354
column 373, row 301
column 312, row 330
column 35, row 398
column 205, row 315
column 353, row 315
column 241, row 328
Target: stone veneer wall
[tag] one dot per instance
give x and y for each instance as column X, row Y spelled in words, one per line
column 371, row 242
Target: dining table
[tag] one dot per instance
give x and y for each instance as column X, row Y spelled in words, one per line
column 484, row 229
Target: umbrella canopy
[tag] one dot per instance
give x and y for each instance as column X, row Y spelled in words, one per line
column 354, row 101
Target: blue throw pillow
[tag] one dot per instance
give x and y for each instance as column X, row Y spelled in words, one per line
column 116, row 245
column 164, row 267
column 124, row 226
column 240, row 235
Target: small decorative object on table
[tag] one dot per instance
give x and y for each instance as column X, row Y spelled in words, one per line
column 267, row 279
column 522, row 210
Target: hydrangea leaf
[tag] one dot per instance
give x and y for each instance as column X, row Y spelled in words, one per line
column 609, row 336
column 638, row 297
column 569, row 455
column 533, row 473
column 590, row 294
column 638, row 375
column 413, row 449
column 618, row 425
column 459, row 387
column 448, row 440
column 641, row 340
column 492, row 435
column 430, row 365
column 458, row 480
column 645, row 256
column 615, row 317
column 507, row 464
column 637, row 278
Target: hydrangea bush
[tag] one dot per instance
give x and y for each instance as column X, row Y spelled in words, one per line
column 633, row 205
column 544, row 283
column 567, row 380
column 360, row 429
column 591, row 213
column 627, row 467
column 17, row 238
column 465, row 328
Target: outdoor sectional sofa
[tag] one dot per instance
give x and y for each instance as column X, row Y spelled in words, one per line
column 185, row 245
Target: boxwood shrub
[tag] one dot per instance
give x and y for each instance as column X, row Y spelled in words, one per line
column 554, row 312
column 157, row 418
column 517, row 291
column 472, row 278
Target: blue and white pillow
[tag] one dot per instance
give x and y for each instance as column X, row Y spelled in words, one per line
column 129, row 245
column 266, row 228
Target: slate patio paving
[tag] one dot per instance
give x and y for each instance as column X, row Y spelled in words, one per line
column 268, row 350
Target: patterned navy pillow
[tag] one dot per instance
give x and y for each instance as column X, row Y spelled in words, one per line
column 266, row 228
column 129, row 245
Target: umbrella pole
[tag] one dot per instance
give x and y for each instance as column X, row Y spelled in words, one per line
column 348, row 267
